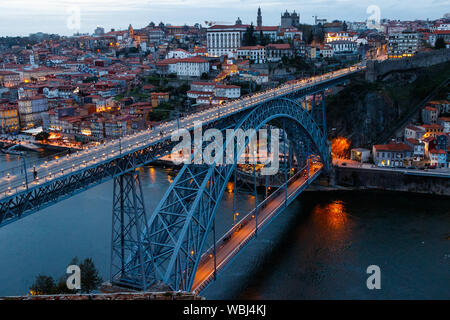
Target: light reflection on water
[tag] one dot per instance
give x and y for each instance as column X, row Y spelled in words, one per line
column 321, row 253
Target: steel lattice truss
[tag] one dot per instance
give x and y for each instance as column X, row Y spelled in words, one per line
column 39, row 197
column 128, row 220
column 178, row 229
column 46, row 194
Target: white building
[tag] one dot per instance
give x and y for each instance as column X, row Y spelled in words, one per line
column 227, row 91
column 192, row 67
column 392, row 155
column 179, row 54
column 404, row 44
column 327, row 51
column 343, row 46
column 337, row 36
column 269, row 32
column 413, row 132
column 188, row 67
column 445, row 123
column 224, row 40
column 290, row 33
column 276, row 51
column 201, row 89
column 257, row 54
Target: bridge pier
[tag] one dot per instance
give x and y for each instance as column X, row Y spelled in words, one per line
column 128, row 220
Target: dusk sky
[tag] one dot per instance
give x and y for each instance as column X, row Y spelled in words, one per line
column 22, row 17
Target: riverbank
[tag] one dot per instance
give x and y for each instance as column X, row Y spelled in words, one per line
column 321, row 246
column 397, row 181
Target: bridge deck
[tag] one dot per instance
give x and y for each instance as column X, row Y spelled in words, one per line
column 25, row 189
column 13, row 181
column 240, row 235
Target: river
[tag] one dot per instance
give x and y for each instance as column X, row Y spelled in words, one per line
column 319, row 248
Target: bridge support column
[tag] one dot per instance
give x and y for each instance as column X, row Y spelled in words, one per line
column 128, row 220
column 324, row 115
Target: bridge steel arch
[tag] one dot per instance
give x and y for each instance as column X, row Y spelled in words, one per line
column 178, row 229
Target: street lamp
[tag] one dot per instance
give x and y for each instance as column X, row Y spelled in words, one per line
column 234, row 218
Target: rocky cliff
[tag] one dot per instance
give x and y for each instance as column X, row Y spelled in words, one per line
column 364, row 111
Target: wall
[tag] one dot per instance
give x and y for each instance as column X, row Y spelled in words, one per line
column 376, row 69
column 390, row 180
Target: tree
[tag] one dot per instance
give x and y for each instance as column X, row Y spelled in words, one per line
column 61, row 287
column 42, row 136
column 249, row 36
column 204, row 76
column 90, row 279
column 440, row 43
column 43, row 285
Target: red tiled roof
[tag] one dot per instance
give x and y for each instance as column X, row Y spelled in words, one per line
column 217, row 26
column 398, row 147
column 413, row 141
column 431, row 126
column 258, row 47
column 279, row 45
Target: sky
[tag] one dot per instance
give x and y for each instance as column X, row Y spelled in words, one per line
column 22, row 17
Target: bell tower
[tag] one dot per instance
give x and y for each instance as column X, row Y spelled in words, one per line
column 259, row 18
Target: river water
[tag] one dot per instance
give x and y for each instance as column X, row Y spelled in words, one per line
column 319, row 248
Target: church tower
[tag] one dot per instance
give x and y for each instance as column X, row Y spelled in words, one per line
column 259, row 19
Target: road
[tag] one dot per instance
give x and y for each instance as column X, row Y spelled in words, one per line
column 439, row 172
column 230, row 244
column 13, row 180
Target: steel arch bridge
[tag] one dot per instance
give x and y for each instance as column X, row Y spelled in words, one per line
column 170, row 246
column 174, row 241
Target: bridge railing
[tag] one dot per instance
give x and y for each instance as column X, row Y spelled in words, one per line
column 13, row 180
column 252, row 234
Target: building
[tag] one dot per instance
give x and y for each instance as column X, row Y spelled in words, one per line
column 259, row 18
column 188, row 67
column 343, row 46
column 443, row 106
column 392, row 155
column 432, row 130
column 436, row 34
column 290, row 20
column 179, row 54
column 192, row 67
column 256, row 54
column 269, row 32
column 404, row 44
column 99, row 31
column 9, row 118
column 197, row 86
column 227, row 91
column 224, row 39
column 326, row 51
column 360, row 155
column 9, row 79
column 438, row 158
column 414, row 132
column 337, row 36
column 276, row 51
column 419, row 148
column 158, row 97
column 429, row 115
column 31, row 110
column 445, row 123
